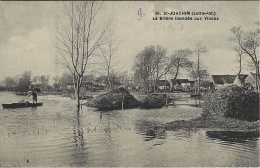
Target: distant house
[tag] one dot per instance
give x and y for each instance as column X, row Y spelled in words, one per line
column 163, row 84
column 192, row 83
column 184, row 82
column 90, row 85
column 251, row 80
column 240, row 79
column 180, row 84
column 37, row 85
column 223, row 80
column 131, row 85
column 206, row 85
column 175, row 84
column 70, row 86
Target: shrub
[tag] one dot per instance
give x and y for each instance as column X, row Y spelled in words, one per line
column 154, row 101
column 233, row 101
column 2, row 88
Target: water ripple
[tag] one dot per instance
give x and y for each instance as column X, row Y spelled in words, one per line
column 56, row 135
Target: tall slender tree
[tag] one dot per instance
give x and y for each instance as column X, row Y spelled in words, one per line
column 199, row 50
column 81, row 32
column 109, row 55
column 240, row 53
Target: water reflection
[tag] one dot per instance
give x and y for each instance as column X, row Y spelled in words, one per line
column 55, row 135
column 240, row 148
column 79, row 156
column 150, row 130
column 233, row 136
column 78, row 131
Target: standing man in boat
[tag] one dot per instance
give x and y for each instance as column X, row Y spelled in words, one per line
column 34, row 95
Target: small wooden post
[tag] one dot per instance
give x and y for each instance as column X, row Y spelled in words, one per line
column 81, row 102
column 123, row 102
column 166, row 100
column 166, row 91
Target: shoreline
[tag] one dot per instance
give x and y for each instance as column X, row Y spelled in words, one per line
column 209, row 122
column 214, row 123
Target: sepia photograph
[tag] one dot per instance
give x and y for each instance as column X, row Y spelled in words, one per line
column 129, row 83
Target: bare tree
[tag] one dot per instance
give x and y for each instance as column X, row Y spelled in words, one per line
column 81, row 33
column 24, row 81
column 43, row 80
column 109, row 55
column 240, row 53
column 249, row 42
column 199, row 50
column 10, row 83
column 160, row 65
column 202, row 75
column 180, row 60
column 151, row 64
column 143, row 65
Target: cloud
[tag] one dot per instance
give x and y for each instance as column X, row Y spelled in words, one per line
column 26, row 43
column 220, row 61
column 33, row 52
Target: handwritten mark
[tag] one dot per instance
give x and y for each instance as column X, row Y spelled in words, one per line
column 157, row 13
column 140, row 13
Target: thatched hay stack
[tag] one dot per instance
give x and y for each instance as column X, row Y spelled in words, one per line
column 114, row 99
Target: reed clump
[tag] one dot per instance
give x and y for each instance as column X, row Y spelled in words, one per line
column 232, row 102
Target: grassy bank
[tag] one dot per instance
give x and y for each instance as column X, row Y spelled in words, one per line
column 214, row 122
column 208, row 121
column 228, row 108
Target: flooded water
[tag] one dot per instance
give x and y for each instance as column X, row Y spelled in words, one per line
column 56, row 135
column 184, row 98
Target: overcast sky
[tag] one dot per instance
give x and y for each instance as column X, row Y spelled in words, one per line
column 28, row 29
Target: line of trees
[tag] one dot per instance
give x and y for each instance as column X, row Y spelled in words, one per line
column 22, row 82
column 153, row 63
column 115, row 79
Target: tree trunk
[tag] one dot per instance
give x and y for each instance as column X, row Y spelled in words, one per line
column 240, row 65
column 257, row 76
column 148, row 86
column 109, row 81
column 78, row 97
column 199, row 74
column 177, row 72
column 155, row 84
column 77, row 92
